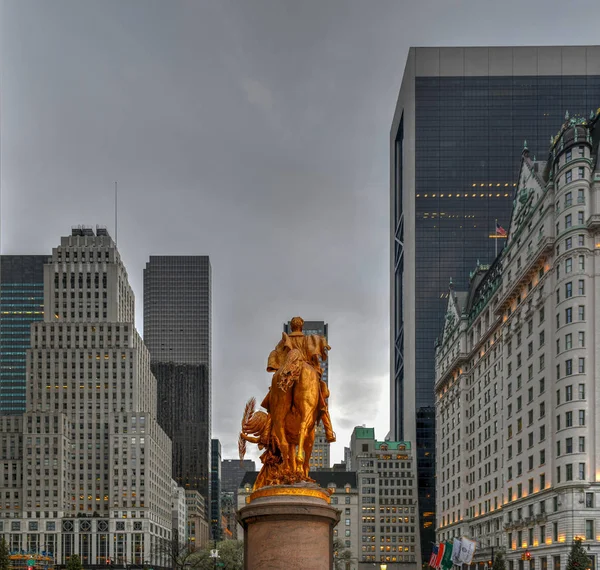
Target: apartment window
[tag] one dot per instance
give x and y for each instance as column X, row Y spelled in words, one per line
column 580, row 240
column 530, row 395
column 568, row 290
column 542, row 486
column 568, row 243
column 581, row 337
column 519, row 404
column 582, row 391
column 581, row 312
column 568, row 393
column 580, row 196
column 542, row 409
column 543, row 457
column 569, row 419
column 589, row 530
column 582, row 471
column 558, row 474
column 568, row 221
column 569, row 472
column 581, row 365
column 542, row 433
column 542, row 315
column 557, row 320
column 581, row 444
column 581, row 288
column 568, row 265
column 519, row 490
column 542, row 385
column 580, row 218
column 581, row 417
column 581, row 150
column 589, row 500
column 530, row 350
column 542, row 534
column 542, row 338
column 568, row 315
column 568, row 176
column 581, row 172
column 530, row 418
column 568, row 367
column 568, row 157
column 568, row 341
column 581, row 262
column 569, row 445
column 558, row 448
column 558, row 422
column 555, row 505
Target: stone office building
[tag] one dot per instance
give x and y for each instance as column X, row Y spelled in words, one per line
column 87, row 469
column 516, row 369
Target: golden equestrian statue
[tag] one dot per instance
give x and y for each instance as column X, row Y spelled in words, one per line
column 295, row 403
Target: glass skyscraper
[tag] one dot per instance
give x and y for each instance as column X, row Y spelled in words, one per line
column 177, row 332
column 21, row 303
column 462, row 116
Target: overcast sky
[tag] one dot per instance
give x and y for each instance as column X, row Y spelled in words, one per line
column 252, row 131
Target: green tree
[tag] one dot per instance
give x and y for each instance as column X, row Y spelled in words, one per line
column 499, row 560
column 578, row 558
column 4, row 559
column 74, row 563
column 231, row 556
column 341, row 555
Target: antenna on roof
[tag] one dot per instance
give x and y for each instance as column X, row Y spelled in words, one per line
column 116, row 212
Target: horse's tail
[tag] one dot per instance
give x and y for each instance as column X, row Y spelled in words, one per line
column 248, row 412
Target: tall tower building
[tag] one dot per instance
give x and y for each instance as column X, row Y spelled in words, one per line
column 21, row 303
column 177, row 332
column 320, row 457
column 461, row 115
column 215, row 489
column 95, row 466
column 517, row 369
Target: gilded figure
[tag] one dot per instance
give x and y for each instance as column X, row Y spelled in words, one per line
column 295, row 403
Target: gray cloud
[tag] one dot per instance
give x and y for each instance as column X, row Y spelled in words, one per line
column 253, row 131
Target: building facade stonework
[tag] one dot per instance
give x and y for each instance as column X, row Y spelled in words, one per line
column 93, row 473
column 516, row 367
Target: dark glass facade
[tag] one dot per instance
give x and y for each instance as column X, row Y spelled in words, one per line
column 215, row 489
column 21, row 303
column 177, row 332
column 468, row 131
column 182, row 391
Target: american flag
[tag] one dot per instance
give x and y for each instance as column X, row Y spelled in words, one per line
column 433, row 556
column 500, row 231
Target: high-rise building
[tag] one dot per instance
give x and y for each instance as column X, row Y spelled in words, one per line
column 461, row 115
column 215, row 489
column 517, row 369
column 320, row 458
column 232, row 473
column 94, row 465
column 21, row 303
column 386, row 473
column 177, row 332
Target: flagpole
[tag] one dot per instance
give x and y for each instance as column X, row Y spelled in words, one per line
column 496, row 241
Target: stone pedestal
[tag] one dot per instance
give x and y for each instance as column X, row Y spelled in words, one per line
column 288, row 527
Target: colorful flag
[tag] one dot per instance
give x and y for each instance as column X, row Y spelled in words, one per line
column 467, row 549
column 440, row 555
column 433, row 556
column 500, row 231
column 456, row 551
column 447, row 558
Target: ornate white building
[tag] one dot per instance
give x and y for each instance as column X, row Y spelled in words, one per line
column 88, row 469
column 518, row 446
